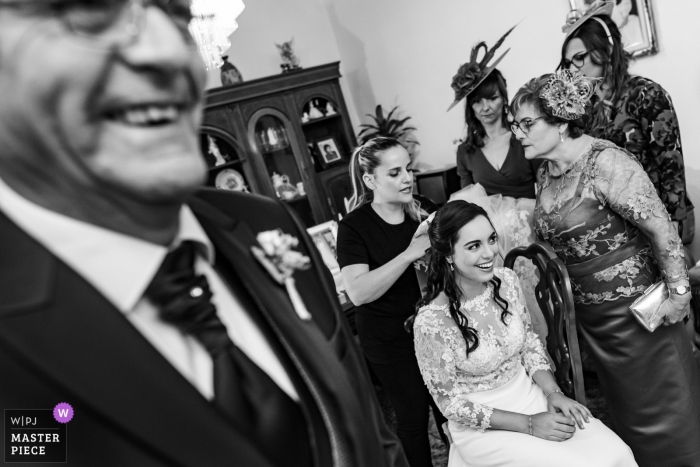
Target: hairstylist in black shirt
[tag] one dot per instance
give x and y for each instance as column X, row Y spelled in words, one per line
column 376, row 251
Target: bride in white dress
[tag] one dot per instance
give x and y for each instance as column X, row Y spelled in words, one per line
column 486, row 368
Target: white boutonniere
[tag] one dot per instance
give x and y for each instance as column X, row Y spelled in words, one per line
column 281, row 261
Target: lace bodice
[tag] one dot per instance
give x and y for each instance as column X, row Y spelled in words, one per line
column 442, row 351
column 603, row 201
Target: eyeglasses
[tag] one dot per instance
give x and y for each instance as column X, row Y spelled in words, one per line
column 523, row 125
column 577, row 60
column 110, row 23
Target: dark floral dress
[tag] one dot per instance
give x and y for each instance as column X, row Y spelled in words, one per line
column 588, row 215
column 643, row 121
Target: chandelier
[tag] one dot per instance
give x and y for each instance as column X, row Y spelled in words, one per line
column 213, row 21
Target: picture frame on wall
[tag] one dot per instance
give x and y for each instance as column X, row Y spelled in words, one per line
column 635, row 19
column 328, row 150
column 325, row 233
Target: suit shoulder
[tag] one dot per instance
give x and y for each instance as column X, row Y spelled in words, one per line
column 259, row 212
column 238, row 200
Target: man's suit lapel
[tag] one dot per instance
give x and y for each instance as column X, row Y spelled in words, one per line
column 308, row 348
column 61, row 327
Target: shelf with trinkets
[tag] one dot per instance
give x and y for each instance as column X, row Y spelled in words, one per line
column 294, row 125
column 228, row 168
column 292, row 140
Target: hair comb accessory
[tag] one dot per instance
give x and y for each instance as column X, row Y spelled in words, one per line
column 577, row 17
column 471, row 74
column 567, row 94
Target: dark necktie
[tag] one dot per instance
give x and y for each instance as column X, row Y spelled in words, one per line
column 243, row 392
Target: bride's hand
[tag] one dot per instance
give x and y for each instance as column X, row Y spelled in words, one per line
column 552, row 426
column 571, row 409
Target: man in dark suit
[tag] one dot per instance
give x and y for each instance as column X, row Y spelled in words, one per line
column 102, row 222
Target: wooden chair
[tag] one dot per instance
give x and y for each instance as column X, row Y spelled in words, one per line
column 553, row 294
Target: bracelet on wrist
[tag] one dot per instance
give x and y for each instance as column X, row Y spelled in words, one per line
column 529, row 424
column 683, row 275
column 550, row 393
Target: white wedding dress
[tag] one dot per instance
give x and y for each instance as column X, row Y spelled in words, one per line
column 498, row 375
column 513, row 220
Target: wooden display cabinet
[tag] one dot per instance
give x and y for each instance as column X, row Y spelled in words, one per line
column 294, row 124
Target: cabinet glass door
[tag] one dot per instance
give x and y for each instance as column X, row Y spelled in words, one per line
column 227, row 169
column 273, row 143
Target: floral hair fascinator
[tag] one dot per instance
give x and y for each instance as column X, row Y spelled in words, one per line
column 471, row 74
column 567, row 94
column 576, row 18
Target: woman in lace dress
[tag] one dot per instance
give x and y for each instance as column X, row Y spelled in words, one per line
column 600, row 212
column 484, row 365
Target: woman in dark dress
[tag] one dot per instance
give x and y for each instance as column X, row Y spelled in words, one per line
column 491, row 156
column 598, row 209
column 633, row 112
column 376, row 250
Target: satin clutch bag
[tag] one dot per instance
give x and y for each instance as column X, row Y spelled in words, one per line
column 645, row 309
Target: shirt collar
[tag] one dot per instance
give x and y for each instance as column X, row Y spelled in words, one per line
column 120, row 271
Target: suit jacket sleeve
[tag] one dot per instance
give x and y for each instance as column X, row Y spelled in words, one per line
column 353, row 360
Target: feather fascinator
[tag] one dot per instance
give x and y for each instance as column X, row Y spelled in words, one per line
column 471, row 74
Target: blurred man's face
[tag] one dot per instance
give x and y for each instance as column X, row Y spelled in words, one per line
column 119, row 123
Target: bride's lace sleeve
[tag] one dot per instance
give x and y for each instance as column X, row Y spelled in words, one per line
column 532, row 354
column 436, row 340
column 622, row 181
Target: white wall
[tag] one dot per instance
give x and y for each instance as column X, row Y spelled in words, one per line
column 406, row 51
column 265, row 23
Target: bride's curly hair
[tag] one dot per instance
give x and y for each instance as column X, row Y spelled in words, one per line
column 444, row 233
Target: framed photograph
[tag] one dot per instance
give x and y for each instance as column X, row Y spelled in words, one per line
column 635, row 20
column 325, row 233
column 328, row 149
column 324, row 236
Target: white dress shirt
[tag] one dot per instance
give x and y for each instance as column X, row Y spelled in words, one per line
column 121, row 267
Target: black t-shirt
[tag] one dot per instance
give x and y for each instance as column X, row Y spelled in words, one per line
column 365, row 238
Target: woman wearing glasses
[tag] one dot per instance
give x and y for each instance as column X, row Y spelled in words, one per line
column 598, row 209
column 492, row 169
column 633, row 112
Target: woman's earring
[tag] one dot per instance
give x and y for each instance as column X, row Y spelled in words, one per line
column 451, row 267
column 561, row 137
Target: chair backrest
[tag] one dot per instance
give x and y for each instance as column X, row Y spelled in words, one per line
column 554, row 296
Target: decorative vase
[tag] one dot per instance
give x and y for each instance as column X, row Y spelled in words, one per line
column 229, row 73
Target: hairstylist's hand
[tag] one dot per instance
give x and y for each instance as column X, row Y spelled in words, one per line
column 552, row 426
column 416, row 250
column 571, row 409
